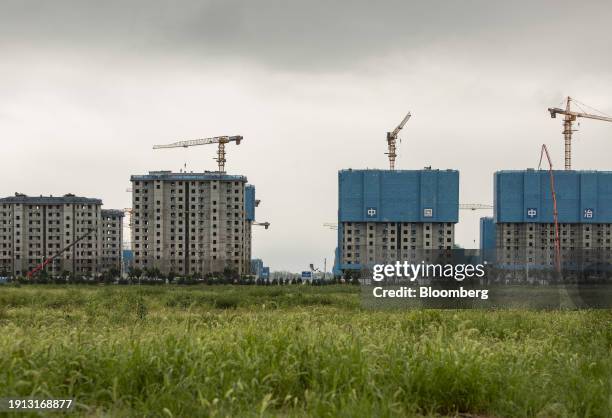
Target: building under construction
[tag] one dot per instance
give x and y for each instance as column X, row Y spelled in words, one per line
column 192, row 223
column 524, row 226
column 34, row 229
column 112, row 239
column 390, row 215
column 249, row 219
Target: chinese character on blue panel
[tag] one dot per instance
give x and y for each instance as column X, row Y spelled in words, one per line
column 588, row 213
column 371, row 212
column 532, row 213
column 427, row 213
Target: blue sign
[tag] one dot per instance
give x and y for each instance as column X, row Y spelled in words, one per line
column 306, row 275
column 532, row 213
column 265, row 272
column 371, row 212
column 588, row 213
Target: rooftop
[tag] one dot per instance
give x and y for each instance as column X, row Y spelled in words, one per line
column 170, row 176
column 50, row 200
column 556, row 171
column 112, row 212
column 395, row 171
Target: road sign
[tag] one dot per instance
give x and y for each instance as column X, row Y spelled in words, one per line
column 306, row 274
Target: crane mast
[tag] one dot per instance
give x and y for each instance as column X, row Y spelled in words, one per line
column 220, row 140
column 569, row 117
column 392, row 141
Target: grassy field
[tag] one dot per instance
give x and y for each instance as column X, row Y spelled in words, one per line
column 296, row 351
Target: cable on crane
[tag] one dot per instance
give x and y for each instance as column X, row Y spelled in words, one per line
column 592, row 108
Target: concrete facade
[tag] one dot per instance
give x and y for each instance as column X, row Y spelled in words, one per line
column 190, row 223
column 533, row 244
column 112, row 238
column 35, row 228
column 367, row 243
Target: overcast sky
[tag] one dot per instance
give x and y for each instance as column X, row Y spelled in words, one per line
column 87, row 87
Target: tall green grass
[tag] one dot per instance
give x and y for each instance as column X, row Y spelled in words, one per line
column 296, row 351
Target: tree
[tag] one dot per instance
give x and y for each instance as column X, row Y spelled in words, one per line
column 229, row 274
column 134, row 273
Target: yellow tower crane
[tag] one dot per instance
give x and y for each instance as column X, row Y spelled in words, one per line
column 392, row 141
column 570, row 116
column 221, row 140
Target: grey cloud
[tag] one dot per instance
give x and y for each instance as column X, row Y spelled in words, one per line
column 314, row 35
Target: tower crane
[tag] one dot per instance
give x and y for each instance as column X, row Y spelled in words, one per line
column 392, row 141
column 266, row 225
column 221, row 140
column 555, row 212
column 570, row 116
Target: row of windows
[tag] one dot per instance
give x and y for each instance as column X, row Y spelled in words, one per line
column 138, row 258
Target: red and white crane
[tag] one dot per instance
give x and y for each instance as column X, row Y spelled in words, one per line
column 48, row 260
column 555, row 212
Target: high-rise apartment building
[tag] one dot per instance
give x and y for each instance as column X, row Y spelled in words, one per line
column 112, row 239
column 524, row 222
column 190, row 223
column 35, row 228
column 386, row 216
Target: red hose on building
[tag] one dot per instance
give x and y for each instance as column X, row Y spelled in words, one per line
column 555, row 213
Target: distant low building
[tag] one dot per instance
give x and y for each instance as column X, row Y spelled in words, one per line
column 259, row 270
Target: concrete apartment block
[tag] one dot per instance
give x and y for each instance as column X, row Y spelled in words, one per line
column 366, row 243
column 533, row 244
column 523, row 226
column 386, row 216
column 190, row 223
column 34, row 228
column 112, row 238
